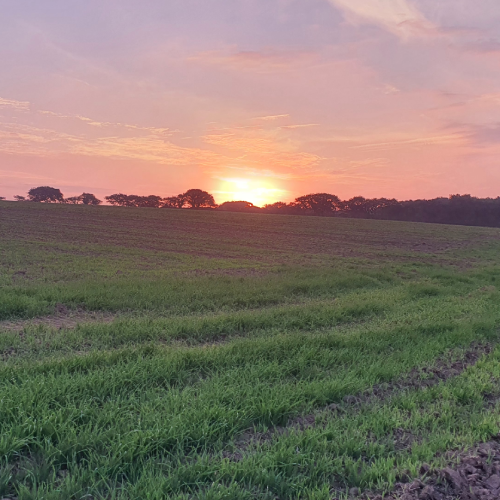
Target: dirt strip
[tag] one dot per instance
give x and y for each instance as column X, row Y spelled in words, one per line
column 63, row 318
column 444, row 368
column 471, row 475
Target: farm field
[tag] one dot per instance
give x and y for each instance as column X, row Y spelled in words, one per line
column 181, row 354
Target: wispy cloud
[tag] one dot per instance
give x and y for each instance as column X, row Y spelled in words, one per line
column 158, row 131
column 18, row 139
column 263, row 146
column 272, row 117
column 368, row 168
column 390, row 89
column 18, row 105
column 149, row 149
column 270, row 59
column 479, row 135
column 397, row 16
column 27, row 140
column 300, row 125
column 429, row 140
column 255, row 172
column 265, row 149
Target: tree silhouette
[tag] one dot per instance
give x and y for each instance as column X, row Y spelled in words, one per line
column 456, row 209
column 194, row 198
column 45, row 194
column 119, row 199
column 357, row 206
column 174, row 201
column 151, row 201
column 238, row 206
column 89, row 199
column 365, row 207
column 319, row 203
column 133, row 200
column 83, row 199
column 278, row 205
column 197, row 198
column 2, row 197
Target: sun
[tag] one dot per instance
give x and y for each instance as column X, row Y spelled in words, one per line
column 257, row 191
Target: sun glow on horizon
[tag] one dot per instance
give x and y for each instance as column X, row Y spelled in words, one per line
column 256, row 191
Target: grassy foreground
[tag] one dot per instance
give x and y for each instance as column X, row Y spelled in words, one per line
column 149, row 354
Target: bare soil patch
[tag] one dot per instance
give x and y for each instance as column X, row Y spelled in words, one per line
column 219, row 235
column 63, row 318
column 471, row 475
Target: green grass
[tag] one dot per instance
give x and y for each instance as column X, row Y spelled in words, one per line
column 224, row 323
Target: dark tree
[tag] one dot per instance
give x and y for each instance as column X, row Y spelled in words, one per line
column 319, row 203
column 197, row 198
column 238, row 206
column 152, row 201
column 83, row 199
column 456, row 209
column 121, row 200
column 278, row 205
column 174, row 201
column 18, row 197
column 133, row 200
column 2, row 197
column 89, row 199
column 357, row 206
column 366, row 207
column 45, row 194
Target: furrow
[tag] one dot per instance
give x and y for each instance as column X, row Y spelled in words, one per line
column 444, row 368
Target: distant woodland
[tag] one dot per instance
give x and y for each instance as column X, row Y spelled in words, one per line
column 456, row 209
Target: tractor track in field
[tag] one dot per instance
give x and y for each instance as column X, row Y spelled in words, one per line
column 62, row 318
column 472, row 474
column 444, row 368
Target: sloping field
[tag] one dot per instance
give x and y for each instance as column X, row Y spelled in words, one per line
column 151, row 354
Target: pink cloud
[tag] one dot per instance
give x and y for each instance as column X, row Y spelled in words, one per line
column 17, row 105
column 265, row 60
column 397, row 16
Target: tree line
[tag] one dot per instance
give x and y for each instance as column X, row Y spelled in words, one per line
column 456, row 209
column 192, row 198
column 47, row 194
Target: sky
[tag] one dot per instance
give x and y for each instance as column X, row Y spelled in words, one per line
column 257, row 100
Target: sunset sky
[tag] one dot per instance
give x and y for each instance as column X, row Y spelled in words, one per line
column 261, row 100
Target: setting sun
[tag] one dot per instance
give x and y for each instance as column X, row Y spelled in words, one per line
column 256, row 191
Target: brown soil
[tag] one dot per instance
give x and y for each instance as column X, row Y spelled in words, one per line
column 444, row 368
column 227, row 235
column 470, row 475
column 63, row 318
